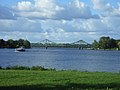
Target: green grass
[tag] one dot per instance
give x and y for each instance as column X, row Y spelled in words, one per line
column 58, row 80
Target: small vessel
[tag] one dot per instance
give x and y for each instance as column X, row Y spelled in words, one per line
column 21, row 49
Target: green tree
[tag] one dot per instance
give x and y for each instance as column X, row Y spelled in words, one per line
column 21, row 42
column 118, row 44
column 14, row 43
column 2, row 43
column 113, row 43
column 95, row 44
column 26, row 44
column 104, row 42
column 10, row 43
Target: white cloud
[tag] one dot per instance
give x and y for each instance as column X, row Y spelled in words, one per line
column 24, row 6
column 76, row 10
column 60, row 30
column 101, row 5
column 106, row 9
column 70, row 22
column 45, row 5
column 113, row 23
column 49, row 9
column 42, row 9
column 20, row 25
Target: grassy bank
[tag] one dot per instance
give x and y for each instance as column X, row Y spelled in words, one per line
column 57, row 80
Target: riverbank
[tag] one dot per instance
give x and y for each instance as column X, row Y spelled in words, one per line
column 57, row 80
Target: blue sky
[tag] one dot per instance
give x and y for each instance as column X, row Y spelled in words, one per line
column 59, row 20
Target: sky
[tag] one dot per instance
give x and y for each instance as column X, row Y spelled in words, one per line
column 59, row 20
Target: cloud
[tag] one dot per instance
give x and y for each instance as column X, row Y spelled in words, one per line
column 106, row 9
column 20, row 25
column 70, row 22
column 24, row 6
column 76, row 10
column 60, row 30
column 42, row 9
column 101, row 5
column 6, row 13
column 49, row 9
column 113, row 23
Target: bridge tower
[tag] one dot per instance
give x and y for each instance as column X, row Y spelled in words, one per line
column 80, row 44
column 46, row 43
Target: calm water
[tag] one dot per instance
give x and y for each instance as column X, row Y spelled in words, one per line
column 63, row 58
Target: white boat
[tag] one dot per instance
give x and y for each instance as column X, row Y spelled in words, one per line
column 22, row 49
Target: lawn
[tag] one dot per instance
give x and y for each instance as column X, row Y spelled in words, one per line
column 58, row 80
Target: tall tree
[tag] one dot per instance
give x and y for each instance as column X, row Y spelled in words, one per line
column 10, row 43
column 26, row 44
column 14, row 43
column 118, row 44
column 95, row 44
column 104, row 42
column 113, row 43
column 2, row 43
column 21, row 42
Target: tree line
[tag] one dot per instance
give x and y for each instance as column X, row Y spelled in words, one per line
column 102, row 43
column 14, row 43
column 106, row 43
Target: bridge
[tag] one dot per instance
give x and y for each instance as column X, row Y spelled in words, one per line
column 46, row 41
column 78, row 44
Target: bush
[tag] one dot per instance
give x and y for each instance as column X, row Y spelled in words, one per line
column 7, row 68
column 27, row 68
column 17, row 68
column 38, row 68
column 1, row 67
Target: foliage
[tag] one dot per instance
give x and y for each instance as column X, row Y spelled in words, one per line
column 17, row 68
column 40, row 68
column 118, row 44
column 105, row 43
column 10, row 43
column 95, row 44
column 1, row 67
column 14, row 43
column 2, row 43
column 26, row 44
column 58, row 80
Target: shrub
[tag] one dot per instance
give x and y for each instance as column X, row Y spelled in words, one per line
column 17, row 68
column 7, row 68
column 27, row 68
column 1, row 67
column 38, row 68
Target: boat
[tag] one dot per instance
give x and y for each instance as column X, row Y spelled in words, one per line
column 21, row 49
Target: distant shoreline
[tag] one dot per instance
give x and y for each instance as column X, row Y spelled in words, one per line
column 42, row 68
column 115, row 49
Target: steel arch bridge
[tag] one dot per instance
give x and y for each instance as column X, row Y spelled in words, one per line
column 80, row 42
column 48, row 43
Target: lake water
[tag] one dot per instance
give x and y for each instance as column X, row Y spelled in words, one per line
column 63, row 59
